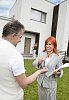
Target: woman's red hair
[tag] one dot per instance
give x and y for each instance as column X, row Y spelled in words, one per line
column 54, row 43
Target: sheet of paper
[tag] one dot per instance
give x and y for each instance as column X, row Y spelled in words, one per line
column 63, row 66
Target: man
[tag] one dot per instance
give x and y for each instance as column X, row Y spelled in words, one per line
column 12, row 71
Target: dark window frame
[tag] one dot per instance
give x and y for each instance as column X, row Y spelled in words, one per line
column 40, row 17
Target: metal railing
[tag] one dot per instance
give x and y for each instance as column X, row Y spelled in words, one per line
column 63, row 55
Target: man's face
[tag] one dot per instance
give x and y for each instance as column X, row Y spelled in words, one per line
column 17, row 38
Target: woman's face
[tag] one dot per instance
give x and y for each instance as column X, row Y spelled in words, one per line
column 49, row 47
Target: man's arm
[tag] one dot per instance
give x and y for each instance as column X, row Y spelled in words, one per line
column 23, row 81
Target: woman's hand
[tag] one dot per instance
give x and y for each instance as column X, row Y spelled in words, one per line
column 57, row 72
column 40, row 60
column 43, row 70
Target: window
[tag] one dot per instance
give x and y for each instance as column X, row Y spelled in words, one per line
column 38, row 15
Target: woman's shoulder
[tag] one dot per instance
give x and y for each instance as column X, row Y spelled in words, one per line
column 56, row 56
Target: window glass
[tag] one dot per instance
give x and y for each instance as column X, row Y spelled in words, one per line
column 44, row 17
column 35, row 15
column 38, row 15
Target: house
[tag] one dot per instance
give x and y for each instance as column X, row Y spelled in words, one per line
column 41, row 20
column 62, row 32
column 36, row 15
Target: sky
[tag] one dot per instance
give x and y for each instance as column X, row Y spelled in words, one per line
column 56, row 1
column 6, row 5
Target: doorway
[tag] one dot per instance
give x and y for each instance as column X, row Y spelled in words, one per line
column 68, row 49
column 54, row 21
column 27, row 45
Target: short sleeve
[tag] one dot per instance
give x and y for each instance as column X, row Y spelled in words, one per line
column 16, row 64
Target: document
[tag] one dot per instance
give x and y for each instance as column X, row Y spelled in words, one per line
column 62, row 66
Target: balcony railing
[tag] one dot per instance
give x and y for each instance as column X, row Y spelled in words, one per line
column 63, row 55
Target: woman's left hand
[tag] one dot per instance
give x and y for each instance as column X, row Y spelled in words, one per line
column 57, row 72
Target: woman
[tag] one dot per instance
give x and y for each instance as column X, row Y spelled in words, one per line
column 48, row 58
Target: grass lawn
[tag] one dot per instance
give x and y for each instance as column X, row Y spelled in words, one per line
column 62, row 84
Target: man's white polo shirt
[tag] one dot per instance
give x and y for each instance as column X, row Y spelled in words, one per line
column 11, row 64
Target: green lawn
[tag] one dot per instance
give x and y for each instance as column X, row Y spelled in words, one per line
column 62, row 84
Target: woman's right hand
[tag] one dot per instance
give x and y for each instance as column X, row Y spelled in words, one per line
column 40, row 60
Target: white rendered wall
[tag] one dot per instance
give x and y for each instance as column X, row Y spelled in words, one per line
column 66, row 31
column 63, row 26
column 16, row 10
column 24, row 16
column 2, row 23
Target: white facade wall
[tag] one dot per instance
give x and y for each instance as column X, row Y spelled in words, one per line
column 66, row 31
column 16, row 10
column 22, row 12
column 63, row 26
column 2, row 23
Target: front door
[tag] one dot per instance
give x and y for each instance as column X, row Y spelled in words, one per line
column 27, row 45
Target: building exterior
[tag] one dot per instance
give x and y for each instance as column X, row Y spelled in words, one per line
column 36, row 15
column 41, row 20
column 62, row 33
